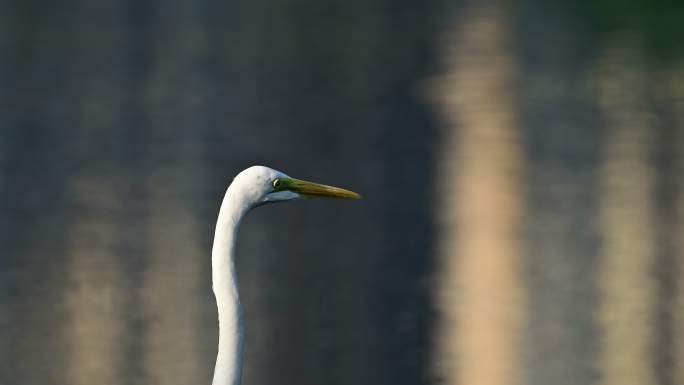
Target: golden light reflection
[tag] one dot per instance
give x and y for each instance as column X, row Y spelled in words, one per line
column 93, row 301
column 676, row 85
column 172, row 281
column 480, row 294
column 627, row 290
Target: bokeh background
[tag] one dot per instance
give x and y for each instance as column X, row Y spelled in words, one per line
column 522, row 165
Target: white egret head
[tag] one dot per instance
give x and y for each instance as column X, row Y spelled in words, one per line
column 259, row 185
column 252, row 187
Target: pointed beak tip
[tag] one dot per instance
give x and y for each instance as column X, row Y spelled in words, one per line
column 344, row 194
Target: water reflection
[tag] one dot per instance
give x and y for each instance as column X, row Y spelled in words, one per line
column 171, row 283
column 675, row 82
column 94, row 325
column 626, row 311
column 480, row 293
column 522, row 167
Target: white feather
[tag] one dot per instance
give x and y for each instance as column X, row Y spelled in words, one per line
column 251, row 188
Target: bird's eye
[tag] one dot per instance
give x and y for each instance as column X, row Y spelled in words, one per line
column 276, row 183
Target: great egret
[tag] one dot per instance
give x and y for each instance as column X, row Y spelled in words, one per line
column 252, row 187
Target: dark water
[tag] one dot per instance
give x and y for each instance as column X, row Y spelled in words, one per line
column 521, row 165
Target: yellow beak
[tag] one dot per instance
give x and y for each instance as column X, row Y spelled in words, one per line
column 315, row 190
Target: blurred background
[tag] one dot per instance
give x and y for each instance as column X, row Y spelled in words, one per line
column 522, row 165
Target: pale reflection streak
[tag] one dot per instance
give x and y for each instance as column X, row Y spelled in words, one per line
column 676, row 84
column 172, row 280
column 94, row 328
column 480, row 297
column 626, row 311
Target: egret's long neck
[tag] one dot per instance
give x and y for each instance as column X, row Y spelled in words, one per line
column 228, row 368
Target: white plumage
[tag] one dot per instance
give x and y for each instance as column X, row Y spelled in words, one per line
column 253, row 187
